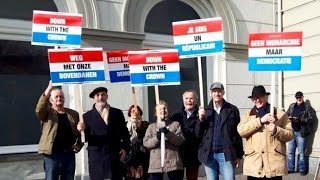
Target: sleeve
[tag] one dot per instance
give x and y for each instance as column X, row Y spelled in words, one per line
column 78, row 144
column 200, row 128
column 284, row 132
column 238, row 139
column 125, row 136
column 175, row 137
column 150, row 140
column 248, row 125
column 87, row 127
column 42, row 107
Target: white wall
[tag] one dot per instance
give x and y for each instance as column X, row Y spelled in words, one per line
column 303, row 15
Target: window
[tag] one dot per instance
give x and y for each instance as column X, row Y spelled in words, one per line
column 24, row 75
column 23, row 9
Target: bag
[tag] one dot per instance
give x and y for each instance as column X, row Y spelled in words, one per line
column 128, row 157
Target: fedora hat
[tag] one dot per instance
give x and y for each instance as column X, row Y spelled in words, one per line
column 258, row 91
column 96, row 90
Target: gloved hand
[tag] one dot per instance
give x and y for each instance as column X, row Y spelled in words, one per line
column 159, row 135
column 164, row 130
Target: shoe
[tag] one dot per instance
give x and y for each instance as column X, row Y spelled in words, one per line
column 303, row 173
column 290, row 172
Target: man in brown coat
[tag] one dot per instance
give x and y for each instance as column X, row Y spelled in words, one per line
column 265, row 138
column 59, row 137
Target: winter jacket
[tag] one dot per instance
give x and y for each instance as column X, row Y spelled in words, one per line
column 105, row 142
column 265, row 153
column 49, row 124
column 189, row 149
column 174, row 139
column 306, row 121
column 232, row 142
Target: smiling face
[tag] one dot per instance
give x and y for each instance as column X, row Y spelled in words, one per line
column 162, row 112
column 217, row 95
column 189, row 101
column 100, row 98
column 135, row 114
column 57, row 98
column 260, row 100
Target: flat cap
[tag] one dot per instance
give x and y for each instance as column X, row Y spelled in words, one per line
column 216, row 85
column 96, row 90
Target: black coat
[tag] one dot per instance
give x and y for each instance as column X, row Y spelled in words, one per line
column 232, row 141
column 189, row 149
column 105, row 143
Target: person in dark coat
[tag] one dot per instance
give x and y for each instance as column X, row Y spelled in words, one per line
column 221, row 147
column 107, row 136
column 188, row 117
column 301, row 116
column 137, row 160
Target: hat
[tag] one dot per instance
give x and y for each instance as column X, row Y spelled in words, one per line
column 96, row 90
column 299, row 94
column 216, row 85
column 258, row 90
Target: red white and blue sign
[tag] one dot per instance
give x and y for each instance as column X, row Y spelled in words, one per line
column 56, row 29
column 199, row 37
column 279, row 51
column 154, row 67
column 76, row 66
column 118, row 64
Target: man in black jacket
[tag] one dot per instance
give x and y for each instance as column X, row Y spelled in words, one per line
column 107, row 136
column 188, row 117
column 300, row 114
column 221, row 147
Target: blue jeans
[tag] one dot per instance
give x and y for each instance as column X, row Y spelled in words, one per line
column 300, row 143
column 217, row 163
column 62, row 164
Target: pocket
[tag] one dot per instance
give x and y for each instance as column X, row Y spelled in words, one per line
column 281, row 149
column 249, row 153
column 248, row 150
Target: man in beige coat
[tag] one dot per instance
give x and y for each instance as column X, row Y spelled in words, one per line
column 265, row 138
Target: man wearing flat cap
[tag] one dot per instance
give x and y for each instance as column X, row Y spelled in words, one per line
column 265, row 137
column 107, row 136
column 300, row 114
column 221, row 148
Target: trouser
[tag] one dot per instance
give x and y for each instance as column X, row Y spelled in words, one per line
column 300, row 143
column 62, row 163
column 172, row 175
column 272, row 178
column 217, row 164
column 192, row 172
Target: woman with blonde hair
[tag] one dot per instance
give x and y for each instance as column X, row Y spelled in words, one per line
column 173, row 139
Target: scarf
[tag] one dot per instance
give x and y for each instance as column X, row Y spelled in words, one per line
column 132, row 127
column 104, row 113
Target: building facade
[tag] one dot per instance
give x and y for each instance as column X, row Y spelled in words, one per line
column 132, row 24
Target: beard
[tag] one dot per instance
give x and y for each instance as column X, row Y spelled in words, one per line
column 101, row 104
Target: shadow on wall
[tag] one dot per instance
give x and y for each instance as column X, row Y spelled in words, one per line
column 310, row 138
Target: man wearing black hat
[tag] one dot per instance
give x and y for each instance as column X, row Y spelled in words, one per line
column 300, row 114
column 221, row 148
column 107, row 136
column 265, row 138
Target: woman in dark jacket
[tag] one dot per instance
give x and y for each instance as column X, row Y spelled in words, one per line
column 137, row 159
